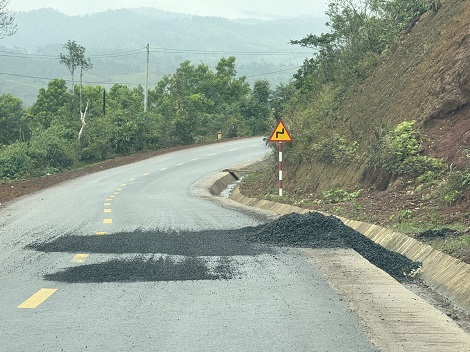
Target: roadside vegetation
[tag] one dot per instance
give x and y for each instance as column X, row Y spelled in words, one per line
column 68, row 127
column 353, row 155
column 370, row 166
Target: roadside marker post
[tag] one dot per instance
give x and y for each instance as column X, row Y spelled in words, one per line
column 280, row 135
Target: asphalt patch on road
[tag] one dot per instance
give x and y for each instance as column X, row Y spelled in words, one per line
column 145, row 269
column 206, row 255
column 184, row 243
column 310, row 230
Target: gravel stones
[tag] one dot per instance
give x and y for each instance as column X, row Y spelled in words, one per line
column 200, row 248
column 315, row 230
column 434, row 234
column 142, row 269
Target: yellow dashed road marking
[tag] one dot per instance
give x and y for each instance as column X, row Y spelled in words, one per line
column 146, row 174
column 163, row 169
column 113, row 196
column 116, row 193
column 36, row 299
column 107, row 210
column 107, row 204
column 123, row 185
column 180, row 164
column 118, row 189
column 107, row 221
column 100, row 233
column 132, row 179
column 109, row 199
column 195, row 159
column 79, row 258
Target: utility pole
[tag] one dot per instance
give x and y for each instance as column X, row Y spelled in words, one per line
column 146, row 91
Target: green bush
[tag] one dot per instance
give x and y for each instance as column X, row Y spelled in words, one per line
column 335, row 150
column 99, row 150
column 400, row 153
column 428, row 177
column 417, row 165
column 337, row 195
column 49, row 149
column 457, row 183
column 15, row 161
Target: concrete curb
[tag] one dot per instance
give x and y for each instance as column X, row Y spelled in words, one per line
column 443, row 273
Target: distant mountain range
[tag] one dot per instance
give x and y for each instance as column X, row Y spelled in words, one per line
column 115, row 41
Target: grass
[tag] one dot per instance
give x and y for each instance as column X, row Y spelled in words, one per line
column 452, row 245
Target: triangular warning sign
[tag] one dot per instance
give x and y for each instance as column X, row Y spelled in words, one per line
column 280, row 134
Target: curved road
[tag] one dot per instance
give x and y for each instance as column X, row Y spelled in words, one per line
column 131, row 259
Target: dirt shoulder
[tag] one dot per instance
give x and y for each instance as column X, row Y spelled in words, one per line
column 15, row 189
column 397, row 208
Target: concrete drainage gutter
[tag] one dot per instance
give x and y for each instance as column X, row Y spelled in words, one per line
column 445, row 274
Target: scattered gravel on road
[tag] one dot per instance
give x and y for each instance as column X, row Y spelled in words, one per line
column 143, row 269
column 311, row 230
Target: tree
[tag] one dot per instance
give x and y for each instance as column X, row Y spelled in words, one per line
column 7, row 18
column 74, row 59
column 281, row 97
column 257, row 109
column 11, row 112
column 231, row 89
column 51, row 103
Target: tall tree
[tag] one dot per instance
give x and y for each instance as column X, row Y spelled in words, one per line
column 7, row 20
column 75, row 58
column 257, row 108
column 11, row 124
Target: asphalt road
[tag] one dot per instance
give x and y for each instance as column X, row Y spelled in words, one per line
column 132, row 259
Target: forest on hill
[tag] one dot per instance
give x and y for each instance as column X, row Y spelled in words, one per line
column 86, row 105
column 116, row 41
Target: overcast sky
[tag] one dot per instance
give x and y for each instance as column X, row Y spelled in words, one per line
column 265, row 9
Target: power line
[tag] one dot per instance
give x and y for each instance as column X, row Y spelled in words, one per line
column 13, row 54
column 50, row 57
column 132, row 83
column 219, row 52
column 139, row 51
column 66, row 80
column 270, row 73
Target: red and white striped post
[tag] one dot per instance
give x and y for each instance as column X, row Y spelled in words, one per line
column 280, row 169
column 280, row 134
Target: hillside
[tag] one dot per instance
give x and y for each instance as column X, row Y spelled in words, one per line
column 426, row 78
column 115, row 41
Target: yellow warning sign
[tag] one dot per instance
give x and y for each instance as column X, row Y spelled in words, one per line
column 280, row 134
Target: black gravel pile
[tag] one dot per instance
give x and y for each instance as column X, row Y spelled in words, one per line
column 315, row 230
column 308, row 230
column 434, row 234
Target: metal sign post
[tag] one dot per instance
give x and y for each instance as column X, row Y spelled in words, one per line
column 280, row 134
